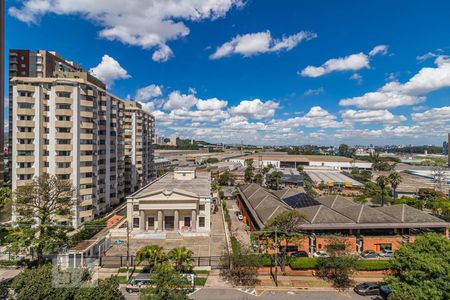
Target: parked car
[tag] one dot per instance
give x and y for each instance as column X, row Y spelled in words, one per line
column 367, row 289
column 384, row 292
column 369, row 254
column 321, row 254
column 299, row 254
column 289, row 250
column 137, row 283
column 239, row 216
column 386, row 253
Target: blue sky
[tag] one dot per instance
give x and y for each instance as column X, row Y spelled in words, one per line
column 265, row 72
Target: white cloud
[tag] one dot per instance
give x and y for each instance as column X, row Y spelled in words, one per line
column 177, row 100
column 145, row 23
column 380, row 49
column 316, row 117
column 394, row 94
column 426, row 56
column 435, row 115
column 255, row 109
column 211, row 104
column 152, row 106
column 348, row 63
column 311, row 92
column 260, row 42
column 371, row 116
column 149, row 92
column 109, row 70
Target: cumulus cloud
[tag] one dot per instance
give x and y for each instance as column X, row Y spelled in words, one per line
column 211, row 104
column 434, row 115
column 149, row 92
column 147, row 24
column 260, row 42
column 351, row 62
column 371, row 116
column 348, row 63
column 180, row 101
column 316, row 117
column 109, row 70
column 394, row 94
column 255, row 109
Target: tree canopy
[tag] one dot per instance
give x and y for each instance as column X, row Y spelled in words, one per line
column 421, row 269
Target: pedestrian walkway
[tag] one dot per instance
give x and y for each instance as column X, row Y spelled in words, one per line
column 216, row 281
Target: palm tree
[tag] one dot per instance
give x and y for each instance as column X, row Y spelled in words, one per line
column 394, row 179
column 375, row 159
column 153, row 254
column 382, row 182
column 181, row 258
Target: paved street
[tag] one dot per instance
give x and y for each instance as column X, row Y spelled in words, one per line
column 234, row 294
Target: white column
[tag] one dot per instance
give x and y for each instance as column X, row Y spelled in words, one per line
column 142, row 220
column 160, row 220
column 176, row 220
column 194, row 220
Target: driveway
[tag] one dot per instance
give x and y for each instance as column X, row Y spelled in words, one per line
column 238, row 228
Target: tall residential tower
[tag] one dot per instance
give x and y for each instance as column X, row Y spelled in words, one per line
column 69, row 125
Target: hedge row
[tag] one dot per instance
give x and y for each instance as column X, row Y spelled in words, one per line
column 304, row 263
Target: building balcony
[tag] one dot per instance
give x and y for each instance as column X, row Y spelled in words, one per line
column 25, row 99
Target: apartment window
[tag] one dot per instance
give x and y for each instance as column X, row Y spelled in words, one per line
column 25, row 141
column 46, row 108
column 62, row 153
column 46, row 142
column 25, row 94
column 63, row 176
column 63, row 106
column 46, row 119
column 136, row 207
column 25, row 118
column 24, row 176
column 26, row 129
column 46, row 164
column 62, row 129
column 63, row 165
column 63, row 94
column 135, row 222
column 201, row 222
column 201, row 207
column 25, row 105
column 63, row 141
column 46, row 130
column 24, row 165
column 63, row 118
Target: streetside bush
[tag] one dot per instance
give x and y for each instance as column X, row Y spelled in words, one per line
column 372, row 265
column 303, row 263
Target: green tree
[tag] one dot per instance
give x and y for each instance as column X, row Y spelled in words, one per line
column 382, row 182
column 300, row 169
column 421, row 269
column 240, row 266
column 39, row 205
column 167, row 284
column 394, row 179
column 224, row 178
column 258, row 178
column 340, row 266
column 286, row 224
column 37, row 284
column 248, row 173
column 104, row 289
column 5, row 202
column 181, row 259
column 275, row 179
column 344, row 150
column 152, row 254
column 212, row 160
column 409, row 201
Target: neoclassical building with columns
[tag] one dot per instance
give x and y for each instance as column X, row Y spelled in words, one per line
column 178, row 202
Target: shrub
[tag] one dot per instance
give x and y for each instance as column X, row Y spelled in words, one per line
column 372, row 265
column 89, row 229
column 303, row 263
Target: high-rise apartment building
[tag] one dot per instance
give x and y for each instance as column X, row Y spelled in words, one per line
column 2, row 84
column 448, row 149
column 70, row 126
column 28, row 63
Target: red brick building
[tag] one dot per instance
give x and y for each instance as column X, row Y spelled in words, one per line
column 362, row 226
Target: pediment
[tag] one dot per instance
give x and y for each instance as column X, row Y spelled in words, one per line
column 165, row 194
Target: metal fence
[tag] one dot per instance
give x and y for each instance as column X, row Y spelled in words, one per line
column 120, row 261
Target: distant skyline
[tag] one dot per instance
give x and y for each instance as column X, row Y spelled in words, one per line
column 267, row 73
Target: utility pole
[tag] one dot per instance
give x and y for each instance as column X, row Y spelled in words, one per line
column 276, row 257
column 128, row 250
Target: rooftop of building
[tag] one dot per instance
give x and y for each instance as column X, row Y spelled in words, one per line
column 334, row 211
column 200, row 184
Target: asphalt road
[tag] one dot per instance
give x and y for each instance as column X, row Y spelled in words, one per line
column 233, row 294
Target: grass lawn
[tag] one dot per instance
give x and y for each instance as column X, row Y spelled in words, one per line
column 199, row 281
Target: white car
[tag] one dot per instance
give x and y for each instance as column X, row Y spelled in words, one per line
column 321, row 254
column 240, row 216
column 386, row 253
